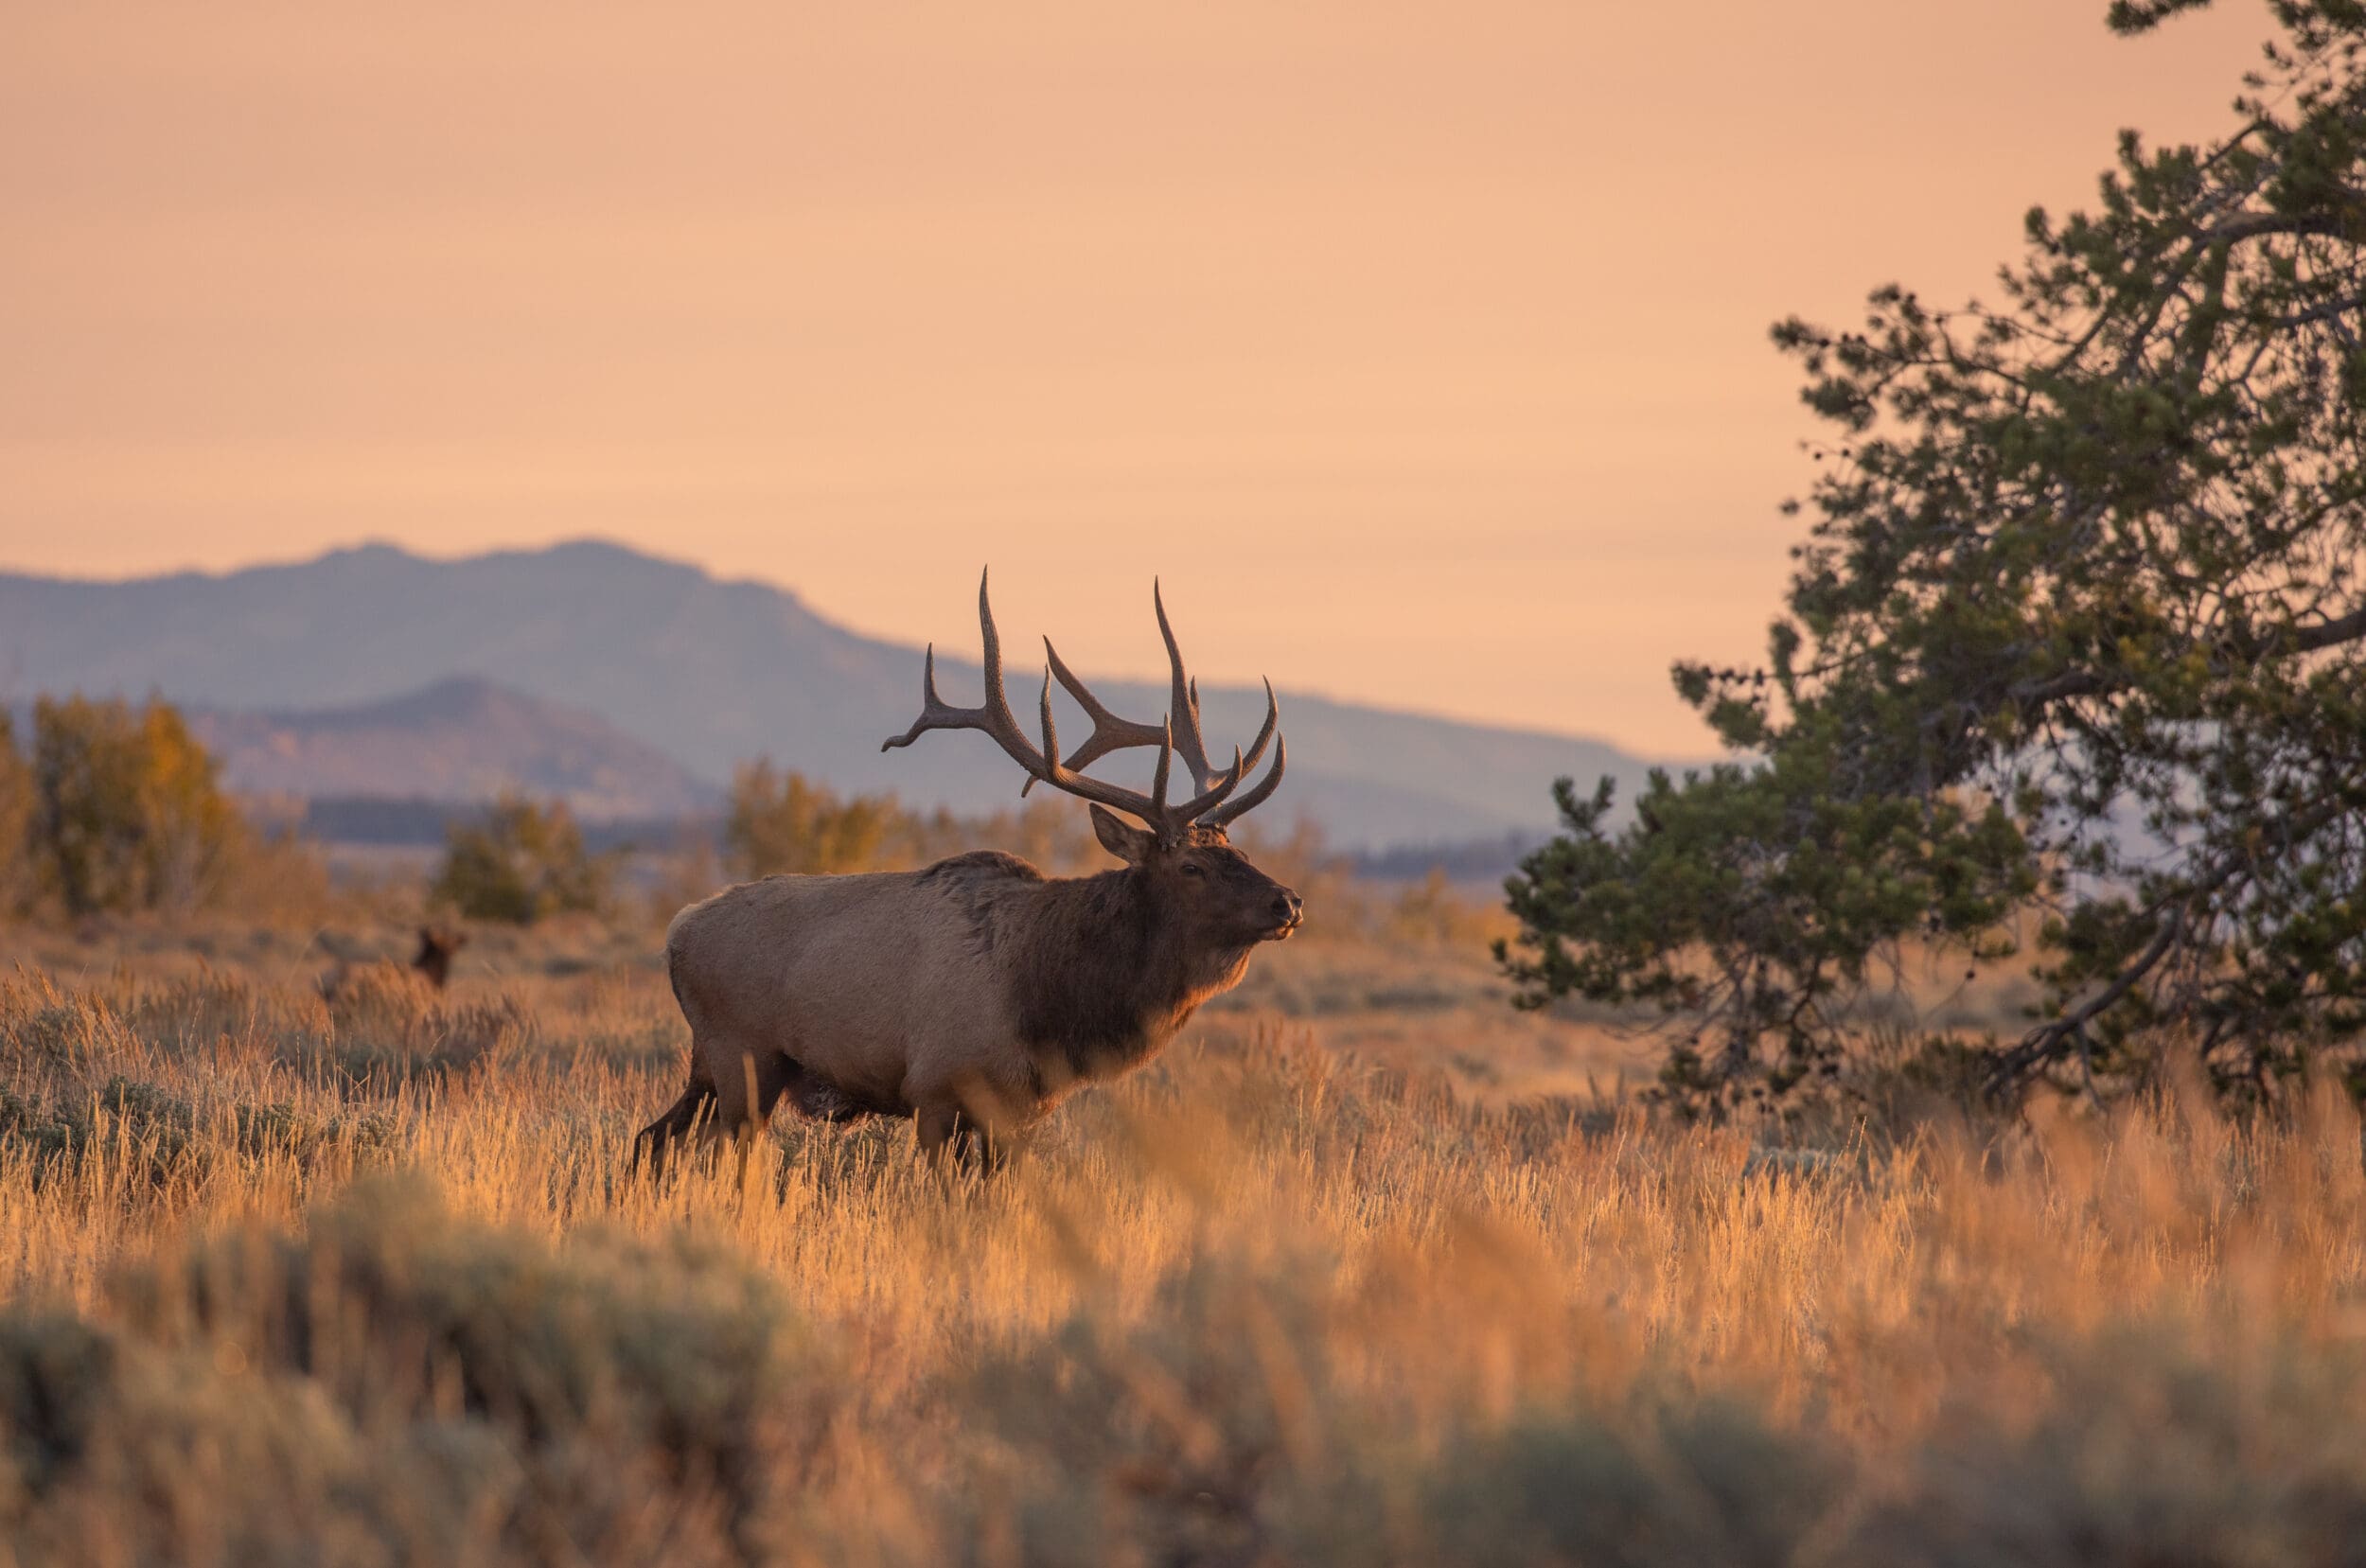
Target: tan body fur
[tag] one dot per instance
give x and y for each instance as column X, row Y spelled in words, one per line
column 971, row 995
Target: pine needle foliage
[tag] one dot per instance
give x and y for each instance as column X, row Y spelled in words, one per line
column 2074, row 650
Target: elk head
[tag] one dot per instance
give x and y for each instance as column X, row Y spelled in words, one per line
column 1181, row 849
column 1218, row 899
column 437, row 948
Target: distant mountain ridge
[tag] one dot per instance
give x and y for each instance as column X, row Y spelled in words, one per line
column 705, row 673
column 460, row 740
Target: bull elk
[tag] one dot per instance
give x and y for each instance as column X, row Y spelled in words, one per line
column 433, row 964
column 438, row 947
column 974, row 994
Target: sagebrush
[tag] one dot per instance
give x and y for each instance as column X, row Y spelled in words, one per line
column 291, row 1281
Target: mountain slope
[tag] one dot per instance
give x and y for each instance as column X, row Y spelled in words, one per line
column 459, row 740
column 707, row 672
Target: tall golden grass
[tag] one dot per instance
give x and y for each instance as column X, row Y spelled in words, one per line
column 368, row 1280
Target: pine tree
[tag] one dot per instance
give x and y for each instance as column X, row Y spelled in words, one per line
column 2076, row 645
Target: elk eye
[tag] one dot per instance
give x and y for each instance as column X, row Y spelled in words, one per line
column 1193, row 867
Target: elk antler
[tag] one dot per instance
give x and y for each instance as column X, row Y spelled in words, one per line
column 1110, row 733
column 1266, row 786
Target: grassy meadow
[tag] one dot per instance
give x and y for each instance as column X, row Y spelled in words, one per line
column 1368, row 1270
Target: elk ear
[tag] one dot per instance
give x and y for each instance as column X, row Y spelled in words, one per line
column 1129, row 844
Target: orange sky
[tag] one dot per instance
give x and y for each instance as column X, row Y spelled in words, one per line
column 1421, row 349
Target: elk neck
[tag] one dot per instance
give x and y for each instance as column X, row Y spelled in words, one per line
column 1104, row 977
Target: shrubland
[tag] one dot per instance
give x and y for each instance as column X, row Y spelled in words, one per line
column 522, row 861
column 312, row 1263
column 106, row 807
column 365, row 1278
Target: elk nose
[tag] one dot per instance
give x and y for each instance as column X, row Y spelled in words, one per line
column 1287, row 905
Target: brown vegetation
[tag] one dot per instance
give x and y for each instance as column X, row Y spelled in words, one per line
column 113, row 808
column 290, row 1279
column 523, row 862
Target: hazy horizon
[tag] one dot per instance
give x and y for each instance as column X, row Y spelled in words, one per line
column 1423, row 356
column 966, row 652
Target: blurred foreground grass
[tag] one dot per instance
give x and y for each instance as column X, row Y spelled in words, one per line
column 365, row 1280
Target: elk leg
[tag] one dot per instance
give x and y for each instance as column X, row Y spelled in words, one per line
column 1003, row 1142
column 973, row 1141
column 716, row 1104
column 747, row 1085
column 996, row 1116
column 952, row 1140
column 745, row 1098
column 648, row 1149
column 936, row 1125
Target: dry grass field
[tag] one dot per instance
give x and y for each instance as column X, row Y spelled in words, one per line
column 1364, row 1272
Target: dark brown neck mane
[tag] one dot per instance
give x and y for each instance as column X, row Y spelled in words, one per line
column 1102, row 977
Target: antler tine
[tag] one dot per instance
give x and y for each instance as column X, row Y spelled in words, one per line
column 1183, row 702
column 997, row 705
column 1178, row 733
column 1192, row 810
column 1151, row 808
column 993, row 716
column 934, row 714
column 1258, row 796
column 1110, row 733
column 1113, row 733
column 1273, row 723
